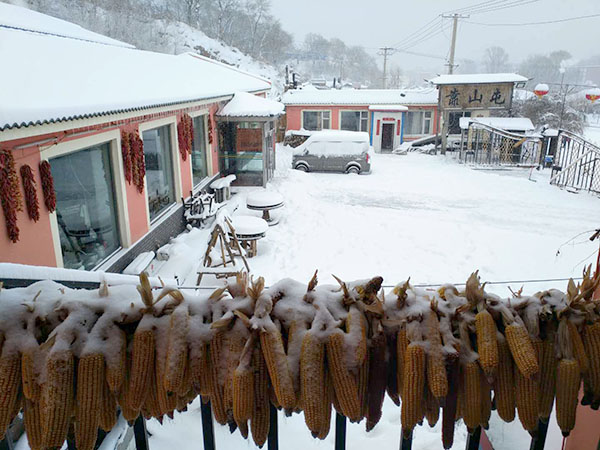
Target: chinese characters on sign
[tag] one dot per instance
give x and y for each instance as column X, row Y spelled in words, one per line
column 476, row 96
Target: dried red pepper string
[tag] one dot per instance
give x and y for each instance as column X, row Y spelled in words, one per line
column 185, row 135
column 126, row 152
column 10, row 195
column 31, row 200
column 48, row 186
column 137, row 160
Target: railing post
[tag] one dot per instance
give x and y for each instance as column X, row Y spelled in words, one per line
column 140, row 433
column 340, row 432
column 406, row 441
column 273, row 440
column 208, row 433
column 539, row 441
column 473, row 439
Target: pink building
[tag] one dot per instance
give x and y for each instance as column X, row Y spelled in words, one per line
column 390, row 116
column 115, row 125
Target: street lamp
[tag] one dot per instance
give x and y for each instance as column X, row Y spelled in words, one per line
column 540, row 90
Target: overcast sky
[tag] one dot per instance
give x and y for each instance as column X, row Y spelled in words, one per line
column 378, row 23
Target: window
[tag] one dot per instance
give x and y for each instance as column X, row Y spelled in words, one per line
column 199, row 151
column 417, row 123
column 316, row 120
column 85, row 207
column 355, row 120
column 159, row 169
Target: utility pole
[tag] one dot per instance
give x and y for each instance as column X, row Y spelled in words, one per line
column 386, row 51
column 454, row 18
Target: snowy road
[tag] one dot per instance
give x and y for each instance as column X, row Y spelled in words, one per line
column 418, row 216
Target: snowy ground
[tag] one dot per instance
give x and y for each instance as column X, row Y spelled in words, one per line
column 419, row 216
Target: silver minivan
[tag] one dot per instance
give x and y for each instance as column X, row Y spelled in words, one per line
column 334, row 151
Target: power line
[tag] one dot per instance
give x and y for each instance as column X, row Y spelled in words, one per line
column 533, row 23
column 506, row 6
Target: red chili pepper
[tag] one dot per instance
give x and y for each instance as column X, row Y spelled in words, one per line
column 31, row 200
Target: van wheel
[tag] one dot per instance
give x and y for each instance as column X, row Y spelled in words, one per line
column 302, row 167
column 353, row 169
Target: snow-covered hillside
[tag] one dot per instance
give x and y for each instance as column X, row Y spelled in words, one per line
column 165, row 36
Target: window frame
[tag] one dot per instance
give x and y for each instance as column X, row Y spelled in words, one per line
column 209, row 151
column 113, row 139
column 426, row 117
column 322, row 113
column 170, row 121
column 363, row 116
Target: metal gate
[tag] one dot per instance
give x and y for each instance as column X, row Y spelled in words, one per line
column 576, row 164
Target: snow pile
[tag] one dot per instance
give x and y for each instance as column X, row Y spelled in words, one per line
column 244, row 104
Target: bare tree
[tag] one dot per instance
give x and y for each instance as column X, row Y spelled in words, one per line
column 495, row 60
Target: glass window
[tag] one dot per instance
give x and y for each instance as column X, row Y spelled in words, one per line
column 316, row 120
column 427, row 122
column 199, row 151
column 354, row 120
column 85, row 207
column 159, row 169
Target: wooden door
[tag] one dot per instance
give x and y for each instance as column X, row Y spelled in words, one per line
column 387, row 137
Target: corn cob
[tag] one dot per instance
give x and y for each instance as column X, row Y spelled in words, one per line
column 151, row 406
column 412, row 409
column 142, row 362
column 32, row 416
column 108, row 409
column 578, row 348
column 591, row 339
column 167, row 401
column 401, row 347
column 451, row 402
column 392, row 368
column 200, row 368
column 116, row 367
column 243, row 427
column 235, row 344
column 472, row 397
column 437, row 379
column 487, row 342
column 486, row 402
column 362, row 384
column 527, row 395
column 432, row 408
column 313, row 382
column 547, row 360
column 344, row 382
column 186, row 381
column 279, row 370
column 504, row 388
column 57, row 397
column 522, row 349
column 377, row 378
column 356, row 326
column 260, row 421
column 243, row 387
column 568, row 380
column 90, row 383
column 216, row 395
column 330, row 395
column 10, row 385
column 296, row 333
column 177, row 350
column 31, row 389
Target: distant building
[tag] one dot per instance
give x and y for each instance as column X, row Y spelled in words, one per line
column 70, row 98
column 390, row 116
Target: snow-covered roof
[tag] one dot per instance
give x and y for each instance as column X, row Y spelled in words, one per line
column 12, row 16
column 478, row 78
column 388, row 108
column 244, row 104
column 53, row 79
column 422, row 96
column 503, row 123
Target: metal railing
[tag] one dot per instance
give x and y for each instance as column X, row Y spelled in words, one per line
column 576, row 164
column 140, row 432
column 488, row 146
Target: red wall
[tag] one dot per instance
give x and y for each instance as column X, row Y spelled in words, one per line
column 35, row 238
column 294, row 114
column 35, row 245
